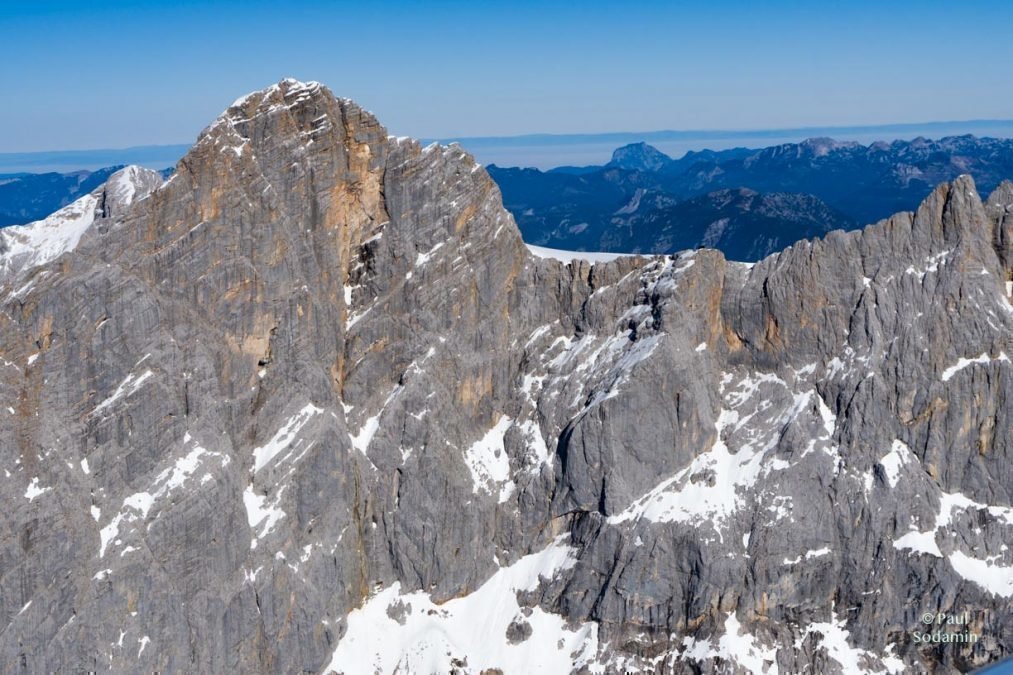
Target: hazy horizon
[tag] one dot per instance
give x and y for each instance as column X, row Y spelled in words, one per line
column 541, row 151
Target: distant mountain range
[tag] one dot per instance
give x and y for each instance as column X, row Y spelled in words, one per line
column 542, row 150
column 28, row 197
column 746, row 202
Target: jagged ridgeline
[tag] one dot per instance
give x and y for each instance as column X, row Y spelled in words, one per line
column 311, row 405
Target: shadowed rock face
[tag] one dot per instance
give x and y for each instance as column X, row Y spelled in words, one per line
column 632, row 211
column 312, row 404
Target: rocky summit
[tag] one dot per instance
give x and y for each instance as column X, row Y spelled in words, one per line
column 312, row 405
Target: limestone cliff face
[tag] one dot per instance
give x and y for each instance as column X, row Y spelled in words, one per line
column 311, row 404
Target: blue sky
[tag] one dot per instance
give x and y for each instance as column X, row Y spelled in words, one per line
column 115, row 74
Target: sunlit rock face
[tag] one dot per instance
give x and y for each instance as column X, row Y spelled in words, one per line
column 312, row 404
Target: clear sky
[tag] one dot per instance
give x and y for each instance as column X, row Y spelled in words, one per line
column 99, row 74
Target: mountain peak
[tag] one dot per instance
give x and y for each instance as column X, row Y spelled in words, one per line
column 279, row 146
column 309, row 108
column 956, row 213
column 124, row 187
column 283, row 86
column 639, row 157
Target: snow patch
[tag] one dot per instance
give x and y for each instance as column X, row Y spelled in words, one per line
column 833, row 637
column 919, row 542
column 262, row 512
column 735, row 646
column 931, row 264
column 964, row 363
column 361, row 440
column 407, row 632
column 715, row 496
column 489, row 464
column 715, row 484
column 536, row 444
column 994, row 578
column 138, row 505
column 570, row 256
column 128, row 386
column 892, row 462
column 34, row 490
column 35, row 244
column 423, row 258
column 122, row 185
column 286, row 438
column 986, row 573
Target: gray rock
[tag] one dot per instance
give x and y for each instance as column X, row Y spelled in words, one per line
column 316, row 380
column 518, row 631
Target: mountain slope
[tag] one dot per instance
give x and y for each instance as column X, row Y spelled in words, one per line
column 311, row 404
column 28, row 197
column 743, row 224
column 631, row 211
column 25, row 247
